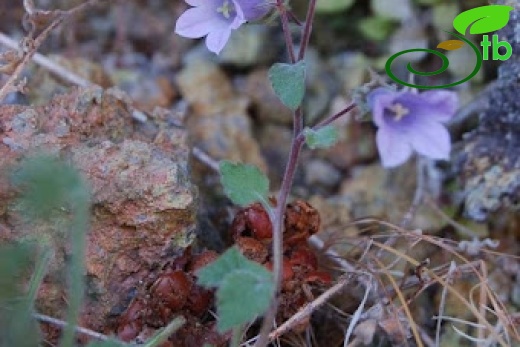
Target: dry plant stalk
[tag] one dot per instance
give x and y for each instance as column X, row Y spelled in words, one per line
column 30, row 45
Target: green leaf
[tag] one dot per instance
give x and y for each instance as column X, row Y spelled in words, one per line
column 243, row 183
column 245, row 288
column 54, row 191
column 485, row 19
column 242, row 296
column 15, row 260
column 322, row 138
column 288, row 82
column 330, row 6
column 213, row 274
column 48, row 187
column 18, row 327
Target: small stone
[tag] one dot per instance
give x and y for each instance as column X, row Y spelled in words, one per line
column 266, row 105
column 219, row 123
column 251, row 45
column 320, row 172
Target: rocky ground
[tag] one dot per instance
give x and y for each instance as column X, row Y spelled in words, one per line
column 159, row 213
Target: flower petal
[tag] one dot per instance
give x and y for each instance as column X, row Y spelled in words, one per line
column 444, row 102
column 197, row 22
column 434, row 105
column 430, row 139
column 253, row 9
column 237, row 22
column 217, row 39
column 392, row 148
column 205, row 3
column 378, row 100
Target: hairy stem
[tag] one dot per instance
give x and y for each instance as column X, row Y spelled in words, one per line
column 332, row 118
column 296, row 145
column 307, row 29
column 286, row 31
column 290, row 169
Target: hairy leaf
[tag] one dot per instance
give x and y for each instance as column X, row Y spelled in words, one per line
column 322, row 138
column 243, row 183
column 242, row 296
column 288, row 82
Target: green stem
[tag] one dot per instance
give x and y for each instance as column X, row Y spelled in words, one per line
column 37, row 277
column 76, row 269
column 165, row 333
column 237, row 337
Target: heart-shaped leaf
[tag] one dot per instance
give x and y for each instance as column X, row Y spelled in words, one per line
column 243, row 183
column 288, row 81
column 485, row 19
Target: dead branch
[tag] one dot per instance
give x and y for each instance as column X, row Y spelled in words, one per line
column 29, row 46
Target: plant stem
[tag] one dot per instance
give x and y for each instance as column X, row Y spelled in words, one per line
column 163, row 335
column 286, row 31
column 277, row 221
column 296, row 145
column 63, row 324
column 236, row 338
column 307, row 29
column 332, row 118
column 76, row 268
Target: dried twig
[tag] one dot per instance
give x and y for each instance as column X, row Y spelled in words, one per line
column 30, row 51
column 307, row 310
column 50, row 65
column 62, row 324
column 8, row 86
column 442, row 304
column 206, row 159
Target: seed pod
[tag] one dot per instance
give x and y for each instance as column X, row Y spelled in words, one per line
column 259, row 222
column 304, row 257
column 252, row 249
column 301, row 221
column 200, row 300
column 288, row 273
column 172, row 289
column 201, row 260
column 252, row 221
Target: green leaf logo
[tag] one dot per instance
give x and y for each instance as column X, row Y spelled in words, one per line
column 483, row 19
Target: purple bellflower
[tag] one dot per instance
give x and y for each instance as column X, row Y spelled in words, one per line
column 216, row 18
column 409, row 121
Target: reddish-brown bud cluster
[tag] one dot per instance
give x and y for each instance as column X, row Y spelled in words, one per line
column 252, row 221
column 174, row 292
column 252, row 232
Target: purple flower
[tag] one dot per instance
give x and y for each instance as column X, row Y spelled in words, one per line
column 216, row 18
column 408, row 121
